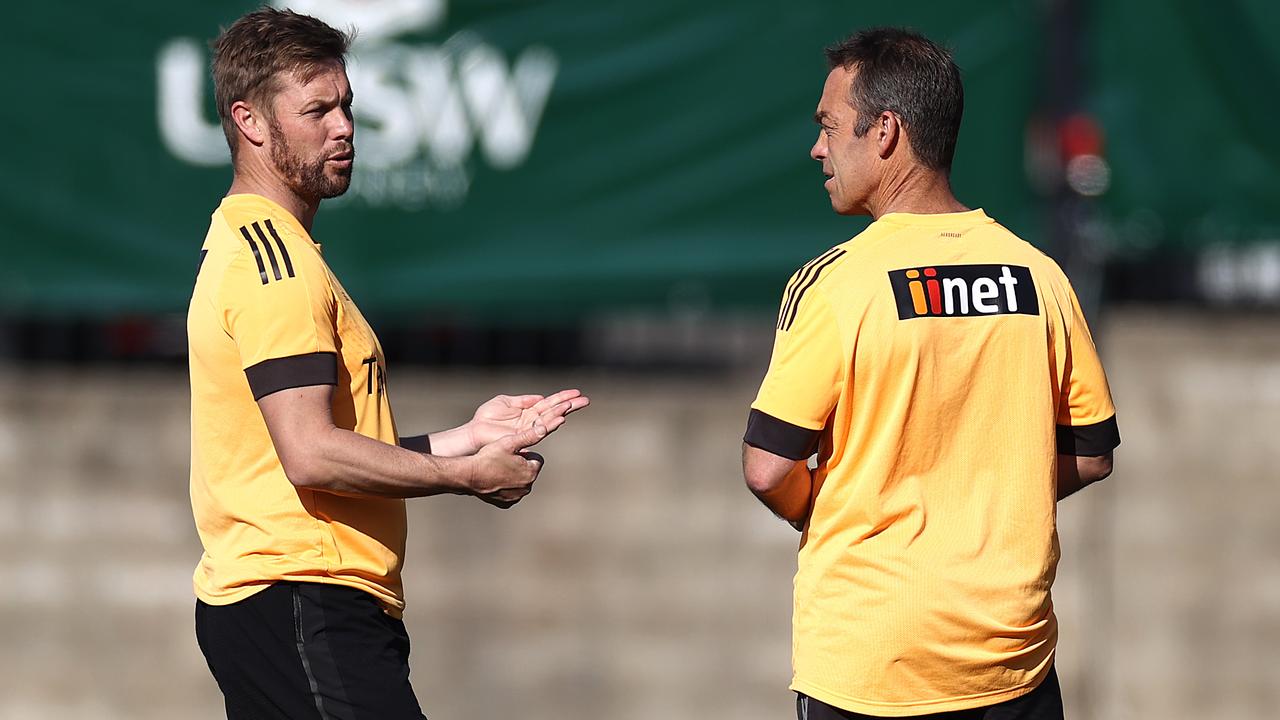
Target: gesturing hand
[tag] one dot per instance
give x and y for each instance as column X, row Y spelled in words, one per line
column 507, row 414
column 501, row 473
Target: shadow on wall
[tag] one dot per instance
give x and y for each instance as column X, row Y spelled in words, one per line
column 641, row 580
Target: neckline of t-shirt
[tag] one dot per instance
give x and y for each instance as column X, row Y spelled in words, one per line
column 296, row 226
column 969, row 217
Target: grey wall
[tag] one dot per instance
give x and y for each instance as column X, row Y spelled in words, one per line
column 640, row 580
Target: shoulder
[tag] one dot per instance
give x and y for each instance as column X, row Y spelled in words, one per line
column 1014, row 244
column 817, row 272
column 256, row 220
column 270, row 246
column 824, row 265
column 244, row 209
column 1043, row 267
column 807, row 281
column 1051, row 282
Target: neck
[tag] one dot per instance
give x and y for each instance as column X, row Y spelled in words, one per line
column 257, row 179
column 914, row 189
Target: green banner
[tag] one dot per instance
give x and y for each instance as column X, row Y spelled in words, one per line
column 516, row 159
column 1187, row 94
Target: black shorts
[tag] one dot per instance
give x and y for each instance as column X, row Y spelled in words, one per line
column 1043, row 703
column 305, row 650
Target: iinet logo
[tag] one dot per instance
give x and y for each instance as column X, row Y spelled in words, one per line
column 964, row 291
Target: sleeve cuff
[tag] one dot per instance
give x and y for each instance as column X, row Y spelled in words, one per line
column 1096, row 439
column 780, row 437
column 278, row 374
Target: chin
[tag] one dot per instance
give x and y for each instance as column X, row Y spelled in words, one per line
column 337, row 186
column 841, row 208
column 845, row 207
column 335, row 191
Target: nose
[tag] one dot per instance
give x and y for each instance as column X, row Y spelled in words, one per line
column 344, row 127
column 819, row 150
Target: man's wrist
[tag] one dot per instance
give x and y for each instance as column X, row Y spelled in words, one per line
column 454, row 442
column 468, row 431
column 465, row 472
column 453, row 475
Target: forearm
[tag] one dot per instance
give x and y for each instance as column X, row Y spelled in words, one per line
column 416, row 443
column 452, row 443
column 347, row 463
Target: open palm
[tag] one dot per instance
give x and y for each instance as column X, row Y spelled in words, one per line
column 508, row 414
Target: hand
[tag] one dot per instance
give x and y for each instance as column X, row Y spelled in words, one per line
column 505, row 414
column 502, row 474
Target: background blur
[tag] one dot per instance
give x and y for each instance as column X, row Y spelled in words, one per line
column 611, row 196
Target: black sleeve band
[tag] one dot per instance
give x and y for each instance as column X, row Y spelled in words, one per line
column 1097, row 439
column 294, row 371
column 417, row 443
column 780, row 437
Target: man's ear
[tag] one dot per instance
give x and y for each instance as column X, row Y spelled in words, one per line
column 249, row 121
column 888, row 130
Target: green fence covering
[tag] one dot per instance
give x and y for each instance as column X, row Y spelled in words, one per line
column 517, row 159
column 1188, row 93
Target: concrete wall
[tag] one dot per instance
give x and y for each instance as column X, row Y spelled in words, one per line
column 640, row 580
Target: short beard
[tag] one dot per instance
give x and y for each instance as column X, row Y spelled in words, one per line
column 306, row 179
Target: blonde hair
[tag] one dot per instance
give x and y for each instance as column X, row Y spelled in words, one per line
column 250, row 57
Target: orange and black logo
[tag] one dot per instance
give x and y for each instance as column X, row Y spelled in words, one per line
column 964, row 291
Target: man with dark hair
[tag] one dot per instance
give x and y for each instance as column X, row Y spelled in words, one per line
column 943, row 372
column 298, row 476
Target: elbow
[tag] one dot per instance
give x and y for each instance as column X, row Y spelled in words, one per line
column 765, row 479
column 301, row 476
column 1097, row 468
column 1103, row 468
column 307, row 474
column 309, row 465
column 764, row 472
column 760, row 483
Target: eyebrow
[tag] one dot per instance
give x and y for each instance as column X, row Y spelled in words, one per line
column 316, row 102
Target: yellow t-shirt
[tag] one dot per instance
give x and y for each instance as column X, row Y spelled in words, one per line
column 937, row 364
column 266, row 315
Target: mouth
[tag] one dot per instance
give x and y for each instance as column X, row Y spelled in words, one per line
column 342, row 160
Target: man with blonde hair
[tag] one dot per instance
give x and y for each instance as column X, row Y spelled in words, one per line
column 298, row 475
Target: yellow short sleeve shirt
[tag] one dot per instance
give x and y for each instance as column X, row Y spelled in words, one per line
column 937, row 364
column 267, row 314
